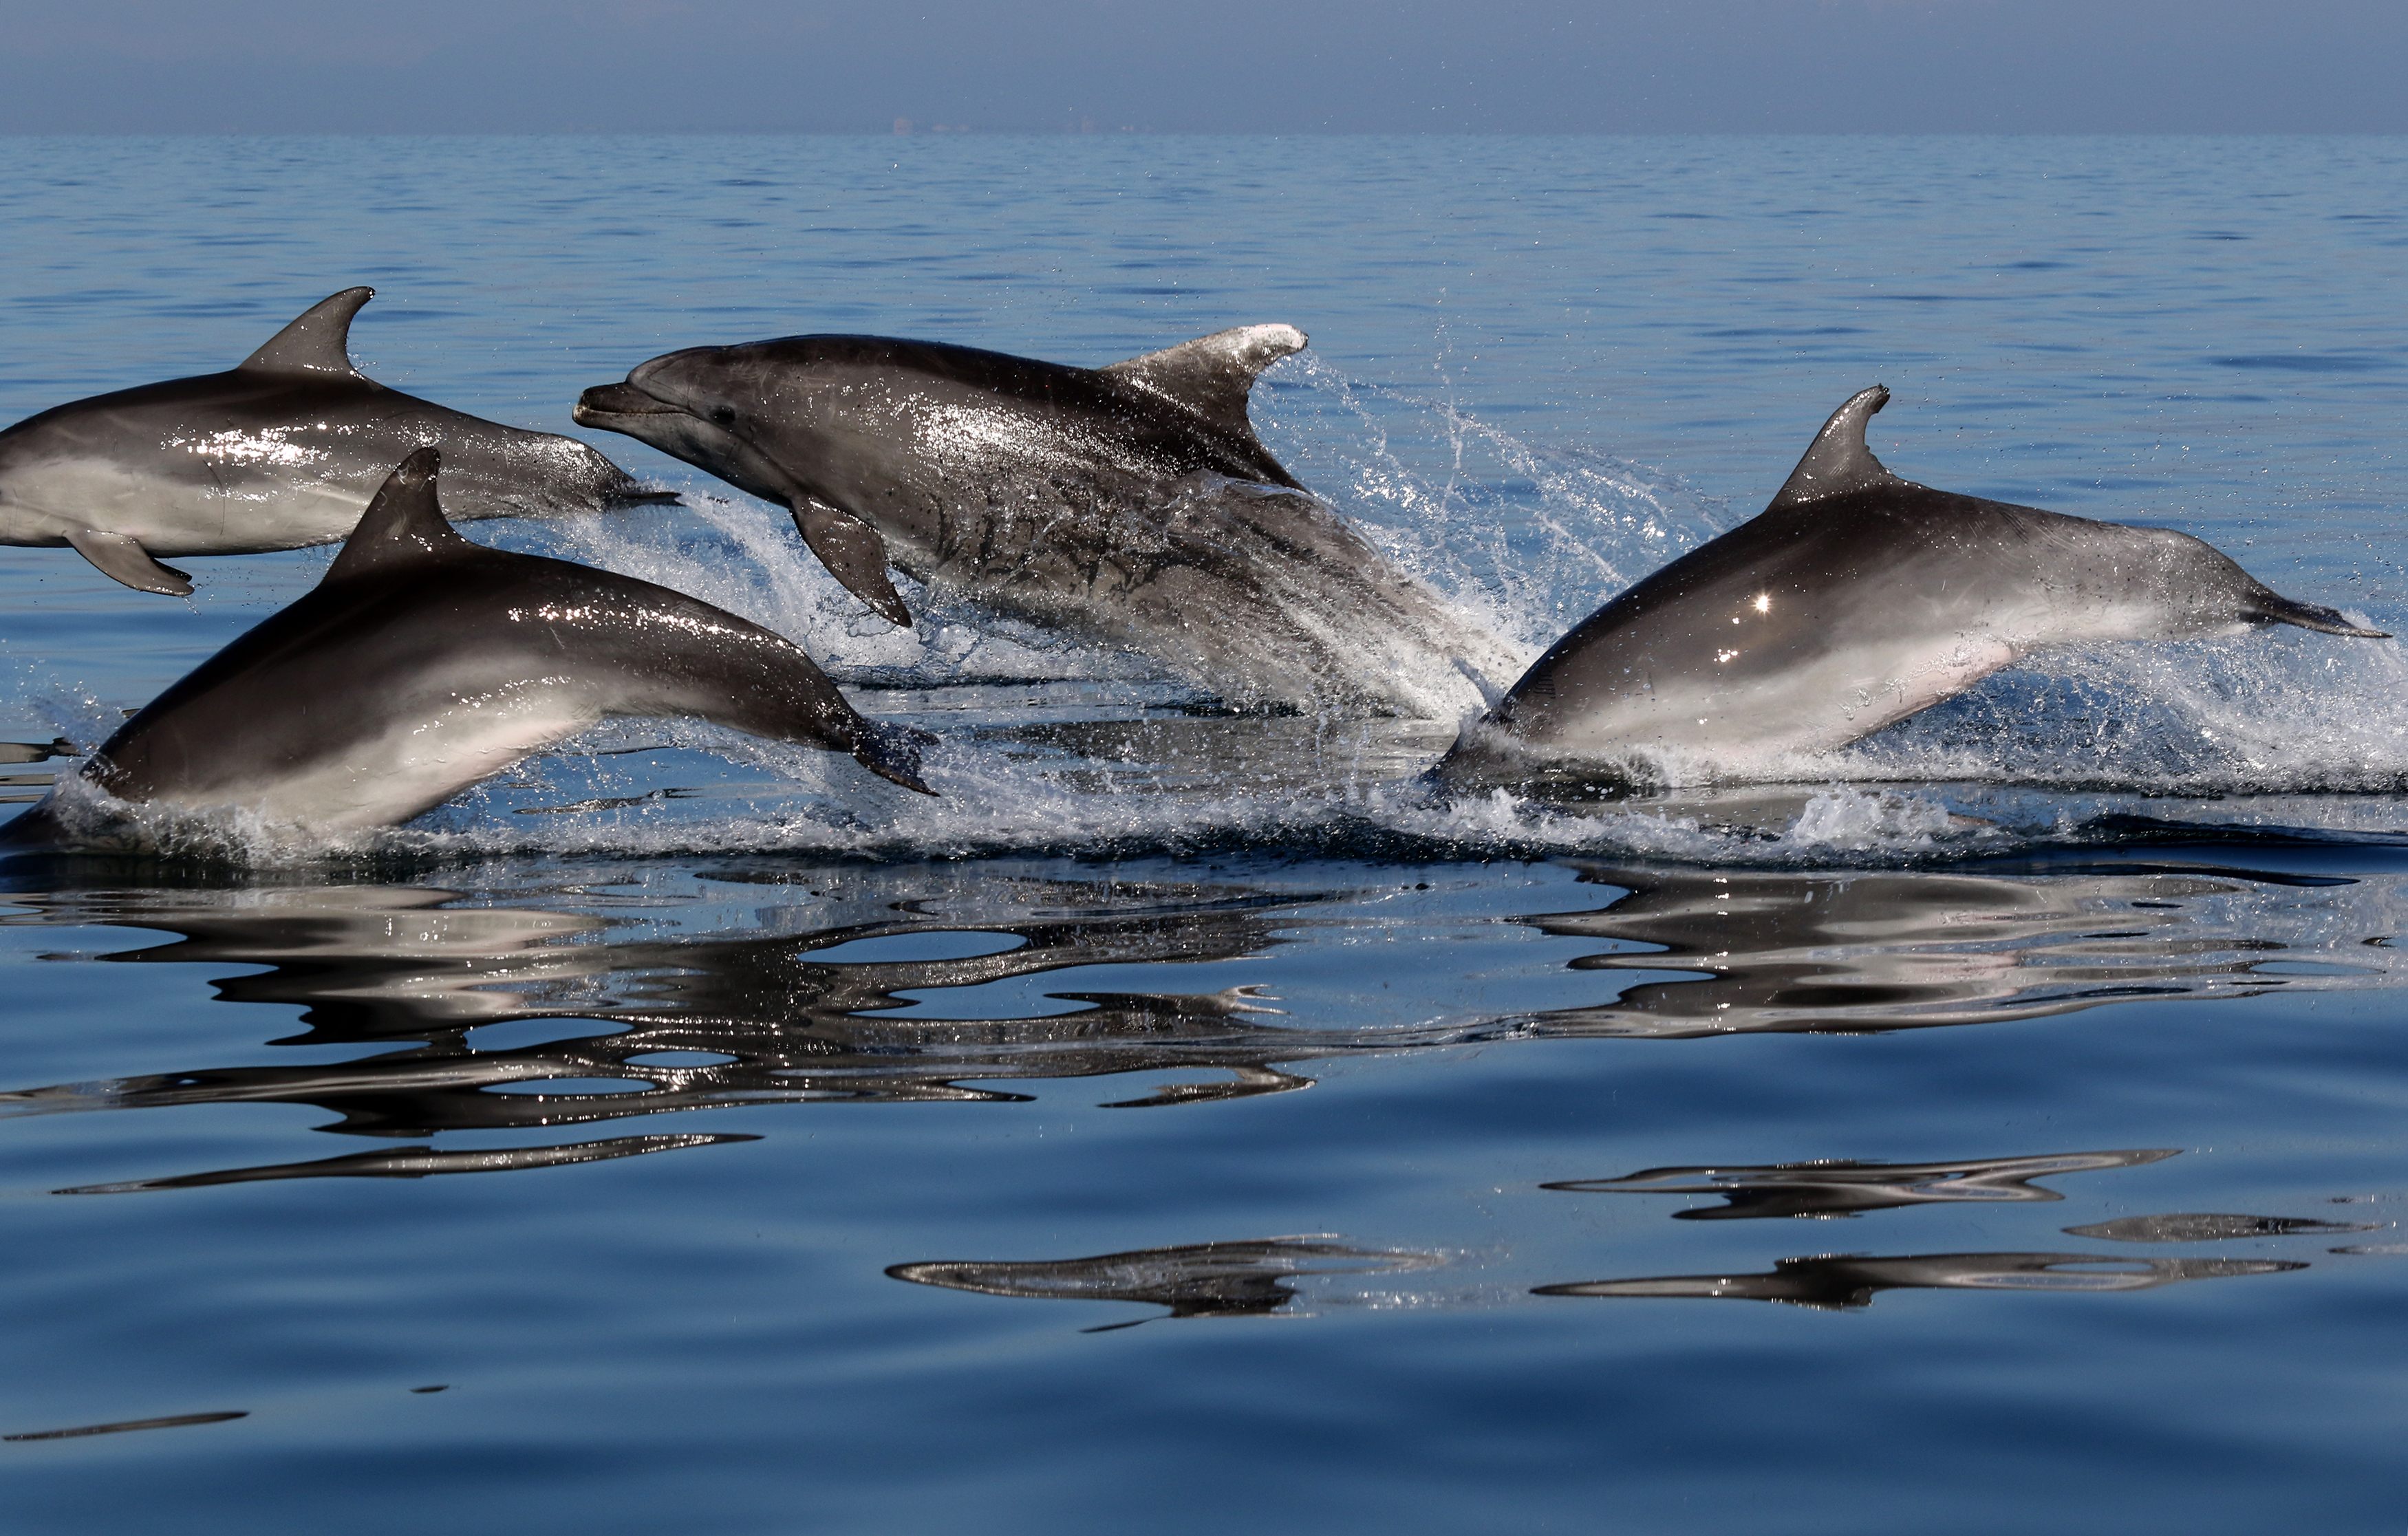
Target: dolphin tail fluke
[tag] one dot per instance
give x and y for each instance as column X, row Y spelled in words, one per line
column 892, row 751
column 2270, row 608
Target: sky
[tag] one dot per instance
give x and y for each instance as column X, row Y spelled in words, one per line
column 1188, row 65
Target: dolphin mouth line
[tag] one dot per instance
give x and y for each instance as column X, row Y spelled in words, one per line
column 619, row 400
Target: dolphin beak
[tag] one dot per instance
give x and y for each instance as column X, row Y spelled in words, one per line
column 599, row 405
column 2274, row 609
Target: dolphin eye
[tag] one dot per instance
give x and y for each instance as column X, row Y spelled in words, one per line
column 722, row 415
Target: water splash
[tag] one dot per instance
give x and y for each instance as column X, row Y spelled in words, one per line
column 1531, row 537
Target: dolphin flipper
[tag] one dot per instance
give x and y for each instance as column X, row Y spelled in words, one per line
column 853, row 554
column 122, row 558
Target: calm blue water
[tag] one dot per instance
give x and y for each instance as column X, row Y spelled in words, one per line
column 1186, row 1121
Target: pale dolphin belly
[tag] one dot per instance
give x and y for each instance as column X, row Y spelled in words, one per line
column 176, row 515
column 1747, row 726
column 413, row 763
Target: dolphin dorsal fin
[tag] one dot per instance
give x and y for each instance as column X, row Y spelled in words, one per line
column 1212, row 375
column 320, row 341
column 1838, row 461
column 403, row 524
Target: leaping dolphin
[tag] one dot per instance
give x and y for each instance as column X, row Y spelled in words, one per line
column 1854, row 601
column 424, row 662
column 1132, row 504
column 283, row 450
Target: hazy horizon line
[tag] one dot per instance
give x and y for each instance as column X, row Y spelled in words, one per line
column 955, row 131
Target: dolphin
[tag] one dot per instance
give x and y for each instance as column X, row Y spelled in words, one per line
column 424, row 662
column 1854, row 601
column 1131, row 504
column 281, row 450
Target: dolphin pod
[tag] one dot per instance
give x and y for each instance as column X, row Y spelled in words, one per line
column 281, row 450
column 1130, row 504
column 478, row 658
column 1852, row 601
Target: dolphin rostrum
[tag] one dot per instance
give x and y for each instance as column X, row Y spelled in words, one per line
column 283, row 450
column 424, row 662
column 1132, row 504
column 1854, row 601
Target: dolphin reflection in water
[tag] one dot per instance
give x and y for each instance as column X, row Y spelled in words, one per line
column 816, row 1001
column 838, row 987
column 683, row 1024
column 1837, row 1281
column 1249, row 1278
column 1842, row 1188
column 1744, row 952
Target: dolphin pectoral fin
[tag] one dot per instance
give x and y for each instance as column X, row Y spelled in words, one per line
column 853, row 555
column 2274, row 609
column 122, row 558
column 891, row 752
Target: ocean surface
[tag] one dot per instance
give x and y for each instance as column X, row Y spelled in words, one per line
column 1191, row 1120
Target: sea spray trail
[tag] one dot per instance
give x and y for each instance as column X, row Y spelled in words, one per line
column 1530, row 538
